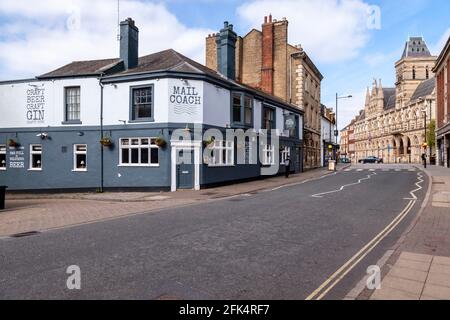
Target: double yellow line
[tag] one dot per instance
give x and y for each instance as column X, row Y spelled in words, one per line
column 332, row 281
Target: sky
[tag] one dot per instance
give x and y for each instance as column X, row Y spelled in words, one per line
column 352, row 42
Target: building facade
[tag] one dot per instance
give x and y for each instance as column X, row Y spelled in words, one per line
column 156, row 122
column 394, row 121
column 442, row 70
column 328, row 143
column 266, row 61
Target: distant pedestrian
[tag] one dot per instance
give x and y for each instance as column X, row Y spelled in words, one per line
column 287, row 167
column 424, row 160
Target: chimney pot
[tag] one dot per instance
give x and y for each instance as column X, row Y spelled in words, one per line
column 270, row 18
column 265, row 19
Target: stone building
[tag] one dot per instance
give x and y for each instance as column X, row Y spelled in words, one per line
column 394, row 121
column 442, row 70
column 328, row 142
column 266, row 61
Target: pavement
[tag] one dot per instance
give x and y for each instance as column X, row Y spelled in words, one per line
column 29, row 212
column 418, row 266
column 310, row 239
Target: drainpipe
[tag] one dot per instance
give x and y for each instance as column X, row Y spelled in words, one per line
column 101, row 134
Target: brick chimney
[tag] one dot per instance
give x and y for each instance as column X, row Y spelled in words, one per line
column 226, row 51
column 129, row 43
column 267, row 55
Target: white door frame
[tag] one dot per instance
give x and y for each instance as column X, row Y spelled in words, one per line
column 181, row 145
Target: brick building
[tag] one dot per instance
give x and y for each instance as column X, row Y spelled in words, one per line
column 266, row 61
column 442, row 70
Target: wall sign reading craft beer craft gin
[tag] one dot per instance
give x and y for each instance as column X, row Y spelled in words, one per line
column 35, row 106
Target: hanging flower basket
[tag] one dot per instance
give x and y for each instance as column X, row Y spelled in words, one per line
column 208, row 143
column 13, row 143
column 106, row 142
column 160, row 142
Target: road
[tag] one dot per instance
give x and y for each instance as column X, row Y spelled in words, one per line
column 285, row 243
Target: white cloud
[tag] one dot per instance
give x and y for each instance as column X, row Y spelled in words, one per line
column 330, row 30
column 39, row 38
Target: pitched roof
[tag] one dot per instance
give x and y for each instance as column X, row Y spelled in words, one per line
column 389, row 98
column 424, row 89
column 82, row 68
column 416, row 47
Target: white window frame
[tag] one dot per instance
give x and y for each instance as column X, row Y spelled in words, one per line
column 285, row 153
column 139, row 146
column 78, row 152
column 3, row 152
column 32, row 153
column 217, row 159
column 268, row 158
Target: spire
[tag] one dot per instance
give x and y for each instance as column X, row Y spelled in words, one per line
column 374, row 87
column 380, row 90
column 367, row 97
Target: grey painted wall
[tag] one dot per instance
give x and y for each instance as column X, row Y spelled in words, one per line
column 57, row 169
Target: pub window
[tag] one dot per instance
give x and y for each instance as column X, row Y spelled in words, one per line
column 72, row 104
column 3, row 157
column 35, row 157
column 222, row 153
column 142, row 103
column 268, row 118
column 268, row 158
column 80, row 157
column 242, row 109
column 285, row 154
column 139, row 152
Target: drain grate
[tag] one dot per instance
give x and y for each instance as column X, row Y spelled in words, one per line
column 25, row 234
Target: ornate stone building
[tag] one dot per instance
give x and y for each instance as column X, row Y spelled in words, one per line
column 266, row 61
column 393, row 123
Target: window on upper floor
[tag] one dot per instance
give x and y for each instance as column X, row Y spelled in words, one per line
column 2, row 157
column 142, row 103
column 72, row 109
column 414, row 73
column 242, row 109
column 268, row 118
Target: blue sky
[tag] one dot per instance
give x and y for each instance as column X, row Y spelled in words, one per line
column 36, row 39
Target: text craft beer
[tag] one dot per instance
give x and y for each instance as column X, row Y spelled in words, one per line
column 35, row 105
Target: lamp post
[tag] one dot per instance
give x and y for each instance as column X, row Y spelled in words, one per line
column 336, row 132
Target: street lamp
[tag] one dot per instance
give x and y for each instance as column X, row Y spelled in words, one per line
column 336, row 132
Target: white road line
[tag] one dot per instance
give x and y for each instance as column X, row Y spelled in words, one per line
column 419, row 187
column 334, row 279
column 300, row 183
column 320, row 195
column 366, row 250
column 359, row 170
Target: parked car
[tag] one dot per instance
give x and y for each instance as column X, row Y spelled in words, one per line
column 345, row 160
column 371, row 159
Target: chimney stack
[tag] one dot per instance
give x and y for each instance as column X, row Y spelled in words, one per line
column 129, row 43
column 226, row 51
